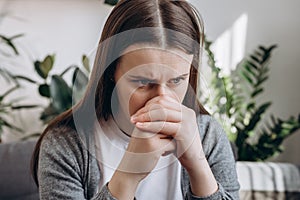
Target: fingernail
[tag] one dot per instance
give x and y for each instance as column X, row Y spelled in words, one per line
column 133, row 118
column 140, row 124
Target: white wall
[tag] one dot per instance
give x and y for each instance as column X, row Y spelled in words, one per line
column 72, row 28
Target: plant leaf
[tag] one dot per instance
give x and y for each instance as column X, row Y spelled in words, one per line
column 9, row 42
column 255, row 58
column 68, row 68
column 24, row 107
column 47, row 64
column 32, row 135
column 256, row 92
column 246, row 76
column 260, row 81
column 61, row 93
column 44, row 90
column 37, row 67
column 9, row 125
column 248, row 69
column 111, row 2
column 256, row 117
column 252, row 65
column 8, row 92
column 49, row 113
column 86, row 63
column 43, row 68
column 79, row 79
column 25, row 78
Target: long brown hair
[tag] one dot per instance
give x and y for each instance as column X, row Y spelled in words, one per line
column 175, row 24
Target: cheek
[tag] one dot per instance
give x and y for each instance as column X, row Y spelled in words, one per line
column 180, row 92
column 136, row 101
column 130, row 99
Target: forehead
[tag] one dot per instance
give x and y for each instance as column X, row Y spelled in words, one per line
column 135, row 56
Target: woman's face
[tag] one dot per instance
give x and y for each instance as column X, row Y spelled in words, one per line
column 149, row 72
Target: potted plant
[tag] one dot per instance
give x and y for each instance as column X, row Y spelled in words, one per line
column 55, row 88
column 235, row 99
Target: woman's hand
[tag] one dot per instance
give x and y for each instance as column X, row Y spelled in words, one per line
column 144, row 151
column 164, row 115
column 140, row 158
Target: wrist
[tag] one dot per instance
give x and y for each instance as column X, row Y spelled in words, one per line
column 202, row 180
column 123, row 185
column 193, row 162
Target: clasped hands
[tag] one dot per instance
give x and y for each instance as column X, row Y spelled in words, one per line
column 162, row 126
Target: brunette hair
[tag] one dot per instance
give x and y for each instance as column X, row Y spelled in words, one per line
column 174, row 24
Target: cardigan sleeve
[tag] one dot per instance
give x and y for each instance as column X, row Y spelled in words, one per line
column 61, row 171
column 220, row 157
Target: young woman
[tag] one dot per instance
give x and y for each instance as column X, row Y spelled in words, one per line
column 139, row 131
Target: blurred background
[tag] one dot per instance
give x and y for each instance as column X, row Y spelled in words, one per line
column 71, row 28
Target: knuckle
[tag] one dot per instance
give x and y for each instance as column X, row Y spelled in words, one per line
column 190, row 112
column 164, row 111
column 144, row 117
column 161, row 101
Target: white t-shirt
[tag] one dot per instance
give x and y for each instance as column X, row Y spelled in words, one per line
column 164, row 182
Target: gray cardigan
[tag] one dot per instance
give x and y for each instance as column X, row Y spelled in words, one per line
column 68, row 168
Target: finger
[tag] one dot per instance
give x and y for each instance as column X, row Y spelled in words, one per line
column 158, row 114
column 168, row 97
column 166, row 128
column 158, row 104
column 143, row 134
column 146, row 134
column 164, row 100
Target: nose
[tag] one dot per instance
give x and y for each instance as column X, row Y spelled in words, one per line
column 162, row 89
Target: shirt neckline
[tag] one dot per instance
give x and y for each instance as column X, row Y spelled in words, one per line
column 113, row 130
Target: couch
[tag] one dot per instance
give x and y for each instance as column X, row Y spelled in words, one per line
column 16, row 181
column 259, row 180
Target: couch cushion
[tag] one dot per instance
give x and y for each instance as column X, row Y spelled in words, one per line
column 16, row 181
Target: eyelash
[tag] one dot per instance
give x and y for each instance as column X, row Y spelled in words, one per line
column 179, row 79
column 173, row 82
column 141, row 84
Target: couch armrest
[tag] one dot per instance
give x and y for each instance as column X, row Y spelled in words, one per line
column 16, row 181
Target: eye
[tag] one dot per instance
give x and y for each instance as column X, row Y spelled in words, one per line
column 176, row 81
column 143, row 82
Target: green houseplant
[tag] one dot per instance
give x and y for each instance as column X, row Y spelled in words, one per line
column 111, row 2
column 6, row 107
column 9, row 106
column 8, row 49
column 55, row 88
column 235, row 97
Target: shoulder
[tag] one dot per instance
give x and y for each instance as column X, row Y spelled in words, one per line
column 60, row 135
column 213, row 136
column 62, row 150
column 63, row 141
column 209, row 126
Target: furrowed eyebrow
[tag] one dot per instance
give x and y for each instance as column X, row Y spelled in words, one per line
column 183, row 75
column 140, row 77
column 143, row 77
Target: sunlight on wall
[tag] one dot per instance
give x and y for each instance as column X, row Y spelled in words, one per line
column 229, row 48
